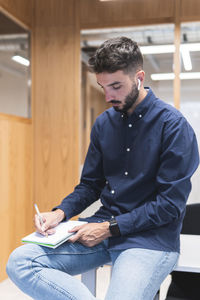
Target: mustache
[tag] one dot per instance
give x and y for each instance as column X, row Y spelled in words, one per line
column 114, row 101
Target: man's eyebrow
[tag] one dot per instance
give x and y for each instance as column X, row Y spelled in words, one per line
column 111, row 84
column 115, row 82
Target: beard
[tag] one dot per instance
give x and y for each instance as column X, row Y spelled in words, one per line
column 129, row 100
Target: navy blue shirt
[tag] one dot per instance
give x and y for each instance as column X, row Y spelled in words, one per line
column 140, row 167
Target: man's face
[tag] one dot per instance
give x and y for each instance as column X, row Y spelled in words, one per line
column 120, row 89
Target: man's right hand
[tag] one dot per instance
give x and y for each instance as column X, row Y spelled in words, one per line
column 50, row 220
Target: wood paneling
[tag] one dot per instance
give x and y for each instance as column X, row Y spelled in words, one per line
column 95, row 14
column 20, row 11
column 15, row 184
column 16, row 209
column 177, row 58
column 56, row 104
column 93, row 104
column 7, row 26
column 190, row 10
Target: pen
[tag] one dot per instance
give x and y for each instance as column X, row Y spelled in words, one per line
column 39, row 216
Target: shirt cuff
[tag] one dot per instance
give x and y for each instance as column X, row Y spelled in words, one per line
column 62, row 208
column 125, row 223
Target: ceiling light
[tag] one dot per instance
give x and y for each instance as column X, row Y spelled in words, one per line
column 191, row 47
column 21, row 60
column 190, row 75
column 162, row 76
column 171, row 76
column 184, row 49
column 186, row 59
column 158, row 49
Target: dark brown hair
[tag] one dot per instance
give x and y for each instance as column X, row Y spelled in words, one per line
column 116, row 54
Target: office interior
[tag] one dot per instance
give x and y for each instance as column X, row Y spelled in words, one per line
column 49, row 103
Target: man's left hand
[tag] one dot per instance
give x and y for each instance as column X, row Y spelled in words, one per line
column 90, row 234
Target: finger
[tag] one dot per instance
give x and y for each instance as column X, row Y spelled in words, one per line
column 46, row 225
column 41, row 228
column 37, row 224
column 50, row 231
column 86, row 243
column 74, row 238
column 76, row 228
column 43, row 233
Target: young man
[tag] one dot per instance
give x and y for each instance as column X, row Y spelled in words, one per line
column 140, row 160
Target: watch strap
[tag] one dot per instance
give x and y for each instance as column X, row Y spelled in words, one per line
column 113, row 227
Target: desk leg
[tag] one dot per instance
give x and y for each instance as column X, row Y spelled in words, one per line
column 89, row 279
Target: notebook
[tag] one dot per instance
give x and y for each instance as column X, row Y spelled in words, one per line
column 53, row 241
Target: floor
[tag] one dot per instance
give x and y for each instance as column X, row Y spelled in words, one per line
column 8, row 291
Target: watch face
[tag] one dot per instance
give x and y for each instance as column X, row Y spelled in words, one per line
column 113, row 222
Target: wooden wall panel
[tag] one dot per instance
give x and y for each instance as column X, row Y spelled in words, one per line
column 56, row 82
column 15, row 184
column 177, row 58
column 20, row 11
column 95, row 14
column 93, row 104
column 16, row 208
column 190, row 10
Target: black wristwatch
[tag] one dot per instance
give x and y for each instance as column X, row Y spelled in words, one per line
column 113, row 227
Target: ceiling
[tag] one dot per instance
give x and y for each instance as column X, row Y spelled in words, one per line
column 146, row 36
column 15, row 40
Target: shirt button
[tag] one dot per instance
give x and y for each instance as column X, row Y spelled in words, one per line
column 130, row 125
column 112, row 192
column 128, row 149
column 122, row 115
column 106, row 182
column 126, row 173
column 140, row 116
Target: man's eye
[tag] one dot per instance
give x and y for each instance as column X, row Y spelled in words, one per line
column 116, row 87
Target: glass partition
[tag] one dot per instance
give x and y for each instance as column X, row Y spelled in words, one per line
column 14, row 68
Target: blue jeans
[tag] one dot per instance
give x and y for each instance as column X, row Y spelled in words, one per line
column 47, row 274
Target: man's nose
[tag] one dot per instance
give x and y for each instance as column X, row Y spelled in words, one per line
column 109, row 97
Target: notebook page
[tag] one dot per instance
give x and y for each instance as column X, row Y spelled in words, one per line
column 60, row 234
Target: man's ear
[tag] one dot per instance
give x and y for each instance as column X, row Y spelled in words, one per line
column 140, row 78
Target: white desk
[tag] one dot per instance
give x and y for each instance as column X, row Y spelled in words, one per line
column 189, row 261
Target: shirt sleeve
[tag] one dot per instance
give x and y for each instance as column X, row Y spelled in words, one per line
column 179, row 159
column 91, row 183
